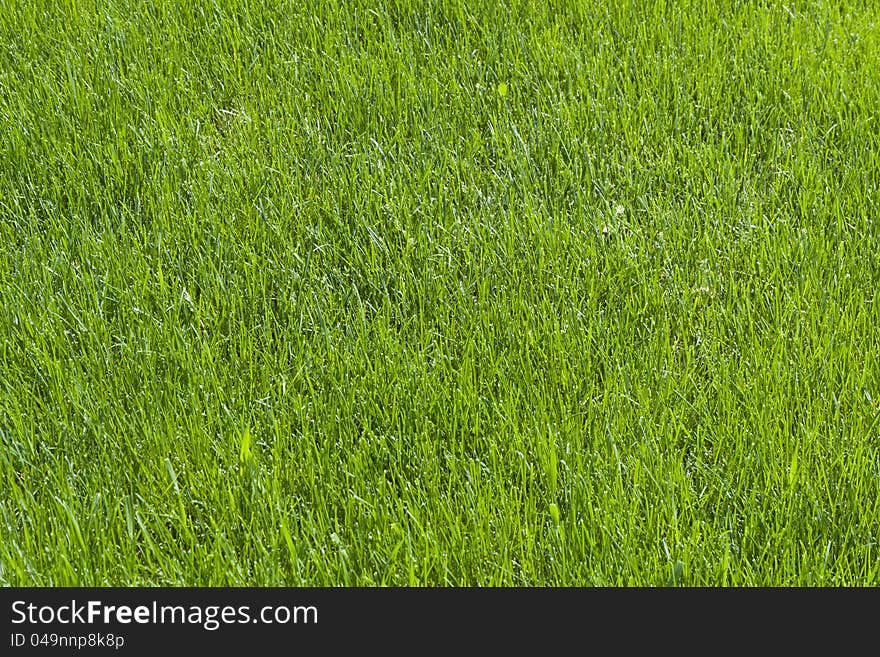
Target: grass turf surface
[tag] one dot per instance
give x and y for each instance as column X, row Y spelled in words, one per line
column 439, row 293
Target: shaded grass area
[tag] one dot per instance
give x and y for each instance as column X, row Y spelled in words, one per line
column 439, row 293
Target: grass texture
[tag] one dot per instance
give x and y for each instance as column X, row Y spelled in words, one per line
column 439, row 293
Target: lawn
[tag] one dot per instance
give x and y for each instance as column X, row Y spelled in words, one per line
column 439, row 293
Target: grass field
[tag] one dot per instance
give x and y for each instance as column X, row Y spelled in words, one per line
column 439, row 293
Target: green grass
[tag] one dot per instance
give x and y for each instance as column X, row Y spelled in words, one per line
column 439, row 293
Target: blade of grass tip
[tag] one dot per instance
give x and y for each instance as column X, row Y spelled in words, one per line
column 172, row 474
column 244, row 453
column 288, row 540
